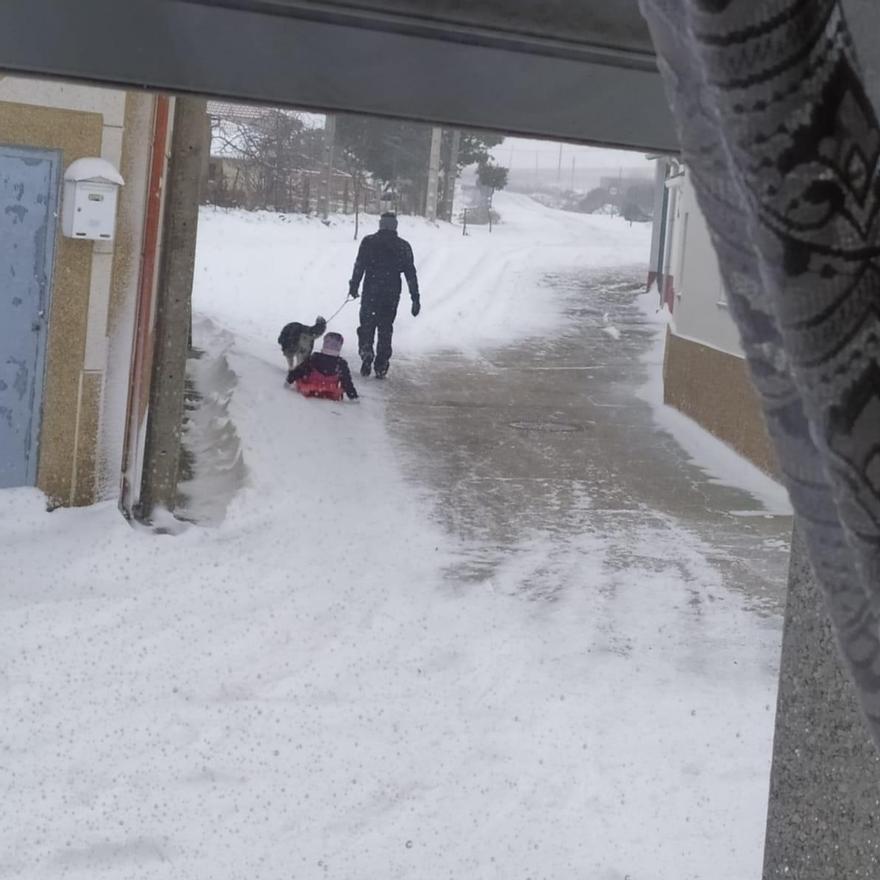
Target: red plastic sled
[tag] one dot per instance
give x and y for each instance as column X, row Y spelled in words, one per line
column 318, row 385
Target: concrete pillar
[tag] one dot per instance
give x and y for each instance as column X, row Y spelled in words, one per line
column 329, row 144
column 823, row 820
column 452, row 175
column 206, row 162
column 174, row 306
column 433, row 173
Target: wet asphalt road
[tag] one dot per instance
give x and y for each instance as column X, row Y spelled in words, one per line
column 548, row 438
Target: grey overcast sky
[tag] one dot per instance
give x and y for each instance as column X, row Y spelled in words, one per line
column 522, row 152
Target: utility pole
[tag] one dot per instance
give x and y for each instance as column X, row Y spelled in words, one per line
column 433, row 173
column 329, row 138
column 572, row 174
column 189, row 150
column 619, row 190
column 358, row 182
column 559, row 167
column 357, row 212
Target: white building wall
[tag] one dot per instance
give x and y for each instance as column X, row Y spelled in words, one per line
column 700, row 312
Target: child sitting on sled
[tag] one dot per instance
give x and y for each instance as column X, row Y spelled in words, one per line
column 324, row 374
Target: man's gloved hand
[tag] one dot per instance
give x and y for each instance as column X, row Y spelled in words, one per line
column 416, row 306
column 353, row 293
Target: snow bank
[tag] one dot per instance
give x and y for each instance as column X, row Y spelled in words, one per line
column 210, row 437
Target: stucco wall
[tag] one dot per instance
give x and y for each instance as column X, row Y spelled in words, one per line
column 91, row 281
column 75, row 134
column 714, row 388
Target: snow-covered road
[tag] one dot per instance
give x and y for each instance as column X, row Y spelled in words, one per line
column 257, row 271
column 346, row 678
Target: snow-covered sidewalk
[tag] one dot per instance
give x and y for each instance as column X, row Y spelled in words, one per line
column 307, row 690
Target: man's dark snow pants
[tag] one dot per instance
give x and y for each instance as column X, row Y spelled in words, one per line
column 377, row 315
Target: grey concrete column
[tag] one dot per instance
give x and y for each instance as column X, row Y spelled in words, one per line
column 433, row 173
column 189, row 148
column 823, row 821
column 329, row 146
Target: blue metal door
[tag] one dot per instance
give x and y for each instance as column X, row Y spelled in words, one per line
column 28, row 213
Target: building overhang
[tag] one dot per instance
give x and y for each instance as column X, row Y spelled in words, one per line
column 583, row 72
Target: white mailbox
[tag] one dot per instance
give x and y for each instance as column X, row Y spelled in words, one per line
column 88, row 210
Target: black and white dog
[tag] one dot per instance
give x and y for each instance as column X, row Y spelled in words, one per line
column 297, row 340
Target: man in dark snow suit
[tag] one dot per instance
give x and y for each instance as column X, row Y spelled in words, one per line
column 381, row 259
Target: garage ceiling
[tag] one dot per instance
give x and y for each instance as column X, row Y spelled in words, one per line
column 580, row 71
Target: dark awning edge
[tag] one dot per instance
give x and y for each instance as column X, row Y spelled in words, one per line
column 461, row 76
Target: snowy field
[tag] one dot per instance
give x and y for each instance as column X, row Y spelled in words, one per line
column 300, row 691
column 256, row 272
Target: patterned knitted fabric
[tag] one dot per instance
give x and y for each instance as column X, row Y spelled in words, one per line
column 783, row 146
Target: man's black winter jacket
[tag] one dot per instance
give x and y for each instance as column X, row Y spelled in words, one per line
column 381, row 259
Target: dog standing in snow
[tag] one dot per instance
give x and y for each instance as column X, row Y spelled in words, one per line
column 297, row 340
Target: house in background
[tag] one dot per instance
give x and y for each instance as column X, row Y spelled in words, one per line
column 270, row 159
column 705, row 374
column 77, row 316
